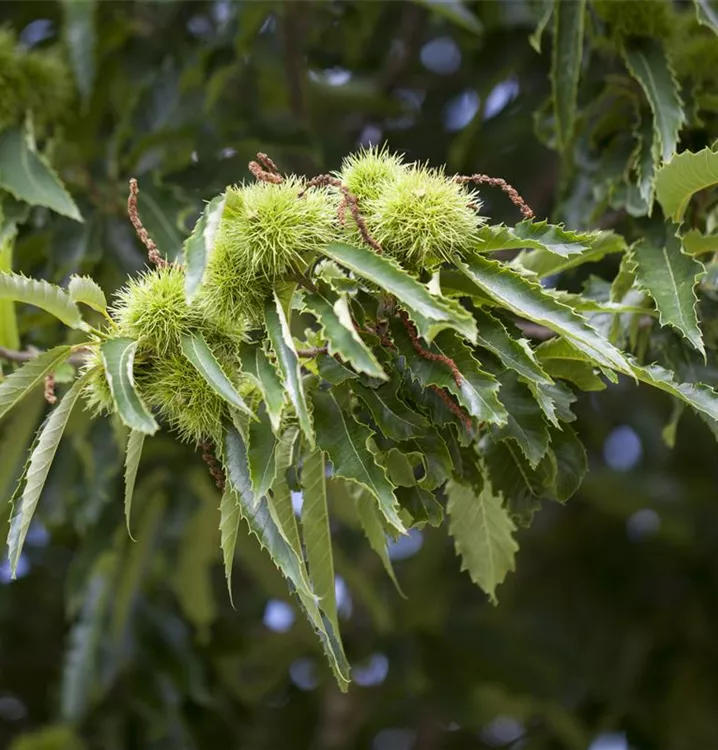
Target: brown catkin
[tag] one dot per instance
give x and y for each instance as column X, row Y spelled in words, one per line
column 516, row 199
column 152, row 252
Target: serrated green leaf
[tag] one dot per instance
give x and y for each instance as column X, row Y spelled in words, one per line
column 393, row 417
column 696, row 243
column 456, row 12
column 317, row 538
column 526, row 298
column 199, row 245
column 341, row 335
column 437, row 460
column 697, row 395
column 649, row 65
column 86, row 290
column 118, row 356
column 346, row 442
column 670, row 276
column 483, row 534
column 537, row 235
column 28, row 177
column 569, row 456
column 41, row 294
column 554, row 400
column 132, row 463
column 371, row 522
column 569, row 20
column 262, row 522
column 282, row 343
column 430, row 313
column 422, row 505
column 230, row 516
column 561, row 360
column 668, row 433
column 514, row 353
column 521, row 486
column 478, row 391
column 261, row 453
column 199, row 354
column 255, row 510
column 526, row 425
column 682, row 177
column 21, row 382
column 38, row 469
column 706, row 14
column 264, row 374
column 544, row 263
column 80, row 40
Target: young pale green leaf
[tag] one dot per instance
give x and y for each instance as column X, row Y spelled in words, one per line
column 317, row 538
column 198, row 352
column 526, row 298
column 341, row 335
column 537, row 235
column 706, row 14
column 133, row 454
column 41, row 294
column 229, row 517
column 257, row 366
column 86, row 290
column 569, row 21
column 682, row 177
column 118, row 356
column 81, row 40
column 456, row 12
column 27, row 176
column 649, row 65
column 280, row 338
column 429, row 312
column 255, row 510
column 371, row 521
column 21, row 382
column 37, row 471
column 478, row 390
column 483, row 534
column 526, row 425
column 262, row 446
column 515, row 353
column 543, row 263
column 393, row 417
column 670, row 276
column 346, row 442
column 199, row 245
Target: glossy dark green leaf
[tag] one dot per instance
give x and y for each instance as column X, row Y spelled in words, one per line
column 346, row 442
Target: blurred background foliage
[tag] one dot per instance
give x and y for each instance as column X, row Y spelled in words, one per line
column 603, row 638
